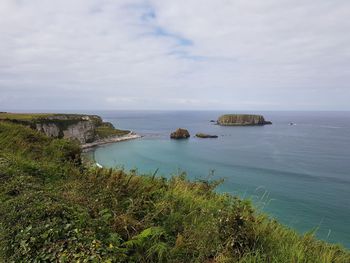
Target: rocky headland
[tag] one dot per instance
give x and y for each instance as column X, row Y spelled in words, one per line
column 242, row 120
column 88, row 130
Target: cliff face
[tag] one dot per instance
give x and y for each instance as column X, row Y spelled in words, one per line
column 50, row 129
column 83, row 131
column 84, row 128
column 241, row 120
column 76, row 127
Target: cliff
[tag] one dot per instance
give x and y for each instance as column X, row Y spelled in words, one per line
column 242, row 120
column 80, row 127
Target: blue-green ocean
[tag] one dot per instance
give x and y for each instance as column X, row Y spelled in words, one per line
column 299, row 174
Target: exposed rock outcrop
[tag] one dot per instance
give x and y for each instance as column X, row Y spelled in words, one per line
column 83, row 131
column 180, row 134
column 50, row 129
column 204, row 136
column 76, row 127
column 84, row 128
column 242, row 120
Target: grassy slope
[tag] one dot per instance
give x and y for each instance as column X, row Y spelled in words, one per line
column 106, row 131
column 53, row 208
column 23, row 116
column 36, row 116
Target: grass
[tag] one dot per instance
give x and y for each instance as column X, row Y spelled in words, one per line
column 106, row 131
column 54, row 208
column 43, row 116
column 23, row 116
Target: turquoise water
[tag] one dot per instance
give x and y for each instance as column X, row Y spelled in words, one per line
column 299, row 174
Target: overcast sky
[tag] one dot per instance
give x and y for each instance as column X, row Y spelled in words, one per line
column 167, row 54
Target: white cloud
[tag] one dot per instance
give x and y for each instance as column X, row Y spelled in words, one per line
column 168, row 54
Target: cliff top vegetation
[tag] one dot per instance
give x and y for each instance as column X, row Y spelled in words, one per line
column 23, row 116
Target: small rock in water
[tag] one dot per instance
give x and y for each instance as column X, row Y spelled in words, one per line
column 203, row 135
column 180, row 134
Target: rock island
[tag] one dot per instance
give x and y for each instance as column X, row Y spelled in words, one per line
column 242, row 120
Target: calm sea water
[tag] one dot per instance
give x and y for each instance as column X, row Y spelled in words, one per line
column 298, row 174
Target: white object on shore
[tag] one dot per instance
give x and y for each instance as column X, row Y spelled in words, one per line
column 99, row 165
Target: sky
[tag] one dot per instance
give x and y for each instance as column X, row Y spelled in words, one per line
column 175, row 55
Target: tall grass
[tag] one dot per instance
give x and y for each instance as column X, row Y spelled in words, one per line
column 53, row 208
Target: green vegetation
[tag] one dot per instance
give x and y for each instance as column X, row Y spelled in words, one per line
column 54, row 208
column 106, row 130
column 23, row 116
column 42, row 117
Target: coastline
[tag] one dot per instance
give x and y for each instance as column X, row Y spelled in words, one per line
column 90, row 146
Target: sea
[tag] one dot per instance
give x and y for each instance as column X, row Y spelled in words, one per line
column 296, row 170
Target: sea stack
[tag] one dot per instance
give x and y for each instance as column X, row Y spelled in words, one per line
column 180, row 134
column 242, row 120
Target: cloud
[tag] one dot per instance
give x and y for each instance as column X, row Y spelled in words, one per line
column 162, row 54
